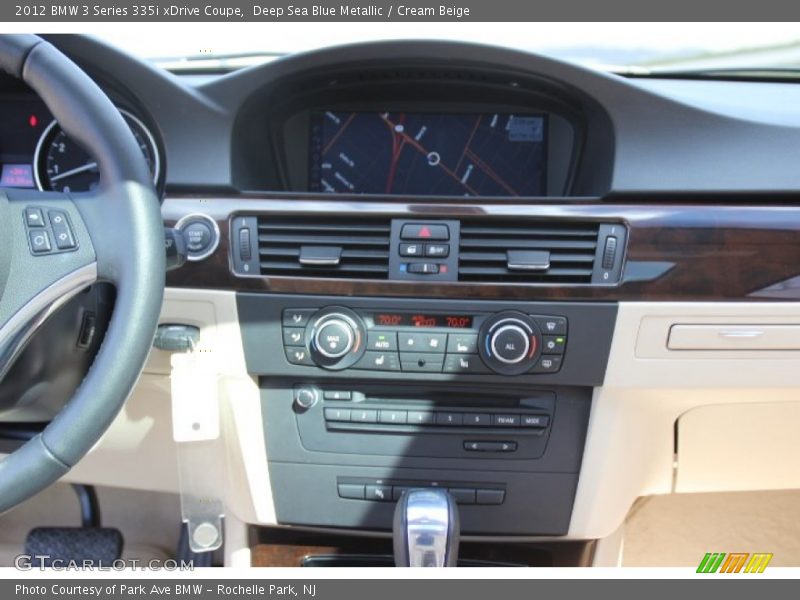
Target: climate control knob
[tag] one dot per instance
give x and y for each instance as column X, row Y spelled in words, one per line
column 510, row 343
column 334, row 338
column 337, row 337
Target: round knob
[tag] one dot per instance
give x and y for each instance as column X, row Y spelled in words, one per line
column 334, row 338
column 305, row 397
column 510, row 343
column 337, row 337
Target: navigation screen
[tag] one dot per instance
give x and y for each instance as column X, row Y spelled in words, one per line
column 495, row 154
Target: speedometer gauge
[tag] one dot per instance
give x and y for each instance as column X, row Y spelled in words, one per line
column 63, row 166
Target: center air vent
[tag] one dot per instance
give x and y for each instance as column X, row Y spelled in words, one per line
column 324, row 247
column 532, row 252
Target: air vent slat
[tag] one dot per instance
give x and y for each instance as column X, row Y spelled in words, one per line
column 571, row 248
column 361, row 247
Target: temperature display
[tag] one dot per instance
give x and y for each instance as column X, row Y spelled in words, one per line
column 422, row 320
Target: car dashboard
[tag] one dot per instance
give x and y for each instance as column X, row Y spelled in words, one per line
column 547, row 289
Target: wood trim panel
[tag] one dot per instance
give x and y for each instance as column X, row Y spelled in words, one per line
column 675, row 252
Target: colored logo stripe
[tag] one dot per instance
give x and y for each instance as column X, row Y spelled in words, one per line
column 735, row 562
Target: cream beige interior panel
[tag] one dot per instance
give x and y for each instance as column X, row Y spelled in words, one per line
column 738, row 448
column 138, row 449
column 630, row 445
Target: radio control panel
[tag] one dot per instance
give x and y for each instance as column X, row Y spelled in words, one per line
column 507, row 342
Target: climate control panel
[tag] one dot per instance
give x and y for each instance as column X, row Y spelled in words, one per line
column 508, row 342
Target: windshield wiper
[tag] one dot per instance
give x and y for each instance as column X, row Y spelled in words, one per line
column 719, row 74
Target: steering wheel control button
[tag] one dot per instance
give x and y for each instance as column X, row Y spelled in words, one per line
column 510, row 344
column 297, row 317
column 299, row 356
column 40, row 241
column 424, row 231
column 201, row 234
column 62, row 234
column 34, row 217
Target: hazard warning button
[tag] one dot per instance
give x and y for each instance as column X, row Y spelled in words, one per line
column 424, row 231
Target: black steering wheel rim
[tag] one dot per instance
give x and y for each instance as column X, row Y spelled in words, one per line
column 122, row 242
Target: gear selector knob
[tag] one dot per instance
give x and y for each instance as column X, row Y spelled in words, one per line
column 426, row 529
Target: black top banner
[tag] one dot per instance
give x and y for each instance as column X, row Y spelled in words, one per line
column 392, row 11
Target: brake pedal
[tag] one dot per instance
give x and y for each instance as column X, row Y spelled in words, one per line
column 89, row 544
column 98, row 546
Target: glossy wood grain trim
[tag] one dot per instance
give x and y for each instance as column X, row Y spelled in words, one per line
column 675, row 252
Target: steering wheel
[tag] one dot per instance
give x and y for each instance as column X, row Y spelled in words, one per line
column 53, row 245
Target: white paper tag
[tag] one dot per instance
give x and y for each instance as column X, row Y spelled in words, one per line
column 195, row 398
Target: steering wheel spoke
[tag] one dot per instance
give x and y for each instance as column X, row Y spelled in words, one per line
column 52, row 246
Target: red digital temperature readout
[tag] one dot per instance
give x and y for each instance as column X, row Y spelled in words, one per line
column 422, row 320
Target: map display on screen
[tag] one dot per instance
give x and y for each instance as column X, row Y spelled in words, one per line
column 414, row 153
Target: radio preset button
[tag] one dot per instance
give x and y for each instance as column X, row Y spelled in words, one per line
column 341, row 415
column 421, row 417
column 363, row 415
column 453, row 419
column 393, row 417
column 478, row 419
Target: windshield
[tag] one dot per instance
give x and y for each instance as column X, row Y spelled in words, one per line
column 609, row 46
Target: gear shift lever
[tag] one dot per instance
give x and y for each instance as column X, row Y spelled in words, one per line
column 426, row 529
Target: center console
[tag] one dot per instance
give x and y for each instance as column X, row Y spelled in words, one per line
column 364, row 398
